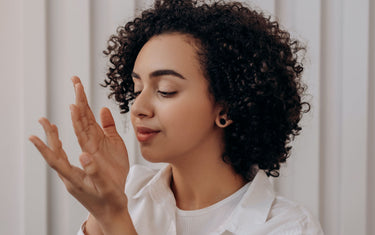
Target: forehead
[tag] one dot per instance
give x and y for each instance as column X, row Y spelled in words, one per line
column 169, row 51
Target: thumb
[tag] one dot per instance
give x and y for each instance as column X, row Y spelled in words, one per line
column 108, row 123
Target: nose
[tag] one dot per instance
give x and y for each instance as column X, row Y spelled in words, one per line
column 142, row 106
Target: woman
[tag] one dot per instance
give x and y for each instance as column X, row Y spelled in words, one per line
column 214, row 90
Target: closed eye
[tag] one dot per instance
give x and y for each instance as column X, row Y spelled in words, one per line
column 167, row 94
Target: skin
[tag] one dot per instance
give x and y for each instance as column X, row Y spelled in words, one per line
column 190, row 138
column 100, row 185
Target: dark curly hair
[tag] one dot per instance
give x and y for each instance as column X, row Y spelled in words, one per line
column 253, row 67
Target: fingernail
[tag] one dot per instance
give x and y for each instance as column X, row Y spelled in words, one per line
column 85, row 159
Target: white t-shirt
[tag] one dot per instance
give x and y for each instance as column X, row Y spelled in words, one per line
column 206, row 220
column 152, row 207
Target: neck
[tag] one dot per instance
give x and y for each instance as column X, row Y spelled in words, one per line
column 203, row 178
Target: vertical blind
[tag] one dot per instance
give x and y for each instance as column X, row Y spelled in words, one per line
column 330, row 170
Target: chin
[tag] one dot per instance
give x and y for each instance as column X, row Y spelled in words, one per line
column 152, row 157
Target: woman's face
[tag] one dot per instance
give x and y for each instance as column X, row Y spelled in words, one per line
column 173, row 115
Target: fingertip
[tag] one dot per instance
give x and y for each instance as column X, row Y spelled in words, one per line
column 85, row 160
column 35, row 141
column 40, row 120
column 88, row 164
column 32, row 138
column 44, row 120
column 107, row 120
column 105, row 110
column 75, row 79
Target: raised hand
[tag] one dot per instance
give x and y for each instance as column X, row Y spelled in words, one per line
column 100, row 185
column 104, row 144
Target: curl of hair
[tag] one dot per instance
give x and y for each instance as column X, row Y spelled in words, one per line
column 253, row 67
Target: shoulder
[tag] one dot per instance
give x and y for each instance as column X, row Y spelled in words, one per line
column 260, row 211
column 290, row 217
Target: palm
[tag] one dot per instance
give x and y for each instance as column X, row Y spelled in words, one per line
column 110, row 145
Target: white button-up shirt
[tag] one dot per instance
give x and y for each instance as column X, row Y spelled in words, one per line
column 152, row 207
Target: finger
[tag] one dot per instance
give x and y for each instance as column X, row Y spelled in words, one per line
column 78, row 126
column 81, row 100
column 58, row 163
column 75, row 80
column 108, row 123
column 93, row 169
column 85, row 117
column 88, row 164
column 42, row 147
column 52, row 134
column 47, row 128
column 55, row 140
column 88, row 137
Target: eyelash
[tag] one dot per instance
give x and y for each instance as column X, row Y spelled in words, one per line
column 167, row 94
column 162, row 93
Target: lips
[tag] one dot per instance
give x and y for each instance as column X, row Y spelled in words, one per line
column 144, row 134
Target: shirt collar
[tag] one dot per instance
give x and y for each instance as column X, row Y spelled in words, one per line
column 253, row 208
column 158, row 186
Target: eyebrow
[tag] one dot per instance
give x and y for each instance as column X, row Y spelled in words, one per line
column 161, row 72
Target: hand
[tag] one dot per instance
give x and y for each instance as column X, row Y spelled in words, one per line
column 100, row 185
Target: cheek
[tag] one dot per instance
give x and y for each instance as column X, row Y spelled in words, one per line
column 188, row 117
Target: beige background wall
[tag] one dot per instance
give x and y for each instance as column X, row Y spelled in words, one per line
column 43, row 43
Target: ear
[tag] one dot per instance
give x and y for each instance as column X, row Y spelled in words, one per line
column 222, row 119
